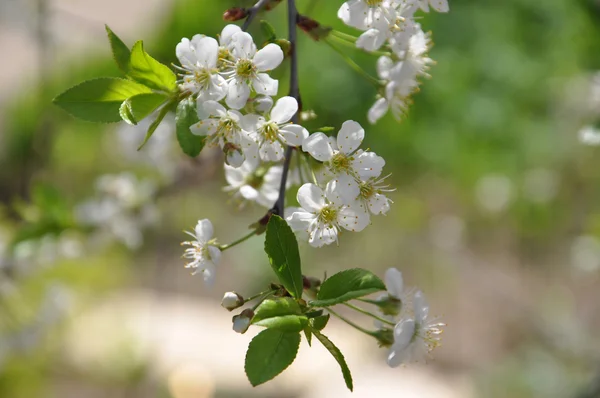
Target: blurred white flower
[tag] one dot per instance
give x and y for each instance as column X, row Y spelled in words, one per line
column 589, row 135
column 254, row 182
column 231, row 301
column 203, row 252
column 494, row 192
column 585, row 253
column 540, row 185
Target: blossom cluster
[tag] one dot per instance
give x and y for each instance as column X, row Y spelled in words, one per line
column 390, row 24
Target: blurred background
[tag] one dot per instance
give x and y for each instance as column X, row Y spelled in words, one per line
column 496, row 215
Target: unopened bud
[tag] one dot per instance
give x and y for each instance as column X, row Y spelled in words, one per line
column 285, row 45
column 241, row 322
column 263, row 104
column 235, row 14
column 385, row 337
column 231, row 301
column 234, row 155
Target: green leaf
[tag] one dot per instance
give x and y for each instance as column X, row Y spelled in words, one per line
column 99, row 100
column 159, row 118
column 185, row 117
column 148, row 71
column 268, row 31
column 337, row 354
column 269, row 354
column 282, row 248
column 347, row 285
column 319, row 322
column 308, row 335
column 325, row 129
column 283, row 314
column 139, row 106
column 120, row 51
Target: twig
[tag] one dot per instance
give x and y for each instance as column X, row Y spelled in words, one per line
column 252, row 12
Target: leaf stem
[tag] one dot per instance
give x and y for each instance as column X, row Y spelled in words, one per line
column 344, row 36
column 352, row 44
column 252, row 12
column 237, row 242
column 349, row 322
column 357, row 68
column 367, row 313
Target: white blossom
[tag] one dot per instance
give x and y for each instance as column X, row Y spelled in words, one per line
column 395, row 24
column 589, row 135
column 347, row 165
column 365, row 14
column 231, row 301
column 438, row 5
column 198, row 58
column 254, row 182
column 415, row 337
column 321, row 215
column 225, row 41
column 246, row 69
column 203, row 251
column 274, row 131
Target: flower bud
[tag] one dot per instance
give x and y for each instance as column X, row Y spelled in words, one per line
column 234, row 155
column 235, row 14
column 285, row 45
column 241, row 322
column 385, row 337
column 389, row 305
column 263, row 104
column 231, row 301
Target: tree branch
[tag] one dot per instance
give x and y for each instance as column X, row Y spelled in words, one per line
column 252, row 12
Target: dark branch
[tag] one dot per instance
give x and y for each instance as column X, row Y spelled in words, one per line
column 252, row 12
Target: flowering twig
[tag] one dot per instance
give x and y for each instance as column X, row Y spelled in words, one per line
column 252, row 12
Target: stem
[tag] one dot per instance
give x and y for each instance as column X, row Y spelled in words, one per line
column 354, row 65
column 258, row 295
column 344, row 36
column 237, row 242
column 252, row 12
column 349, row 322
column 295, row 93
column 367, row 313
column 352, row 44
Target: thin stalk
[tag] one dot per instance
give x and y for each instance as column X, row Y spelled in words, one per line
column 349, row 322
column 344, row 36
column 354, row 65
column 352, row 44
column 367, row 313
column 237, row 242
column 252, row 12
column 258, row 295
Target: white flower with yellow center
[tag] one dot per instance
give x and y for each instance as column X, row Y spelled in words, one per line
column 438, row 5
column 346, row 165
column 203, row 251
column 321, row 216
column 254, row 182
column 246, row 69
column 365, row 14
column 415, row 338
column 198, row 58
column 394, row 24
column 225, row 41
column 275, row 130
column 414, row 59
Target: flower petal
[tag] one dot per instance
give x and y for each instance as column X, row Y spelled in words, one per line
column 394, row 282
column 265, row 85
column 350, row 137
column 300, row 220
column 185, row 53
column 243, row 45
column 248, row 192
column 421, row 308
column 353, row 218
column 207, row 51
column 235, row 176
column 215, row 254
column 251, row 123
column 204, row 127
column 378, row 204
column 342, row 190
column 378, row 110
column 311, row 197
column 271, row 151
column 285, row 108
column 368, row 165
column 204, row 230
column 237, row 94
column 209, row 109
column 227, row 34
column 371, row 40
column 384, row 66
column 293, row 134
column 269, row 57
column 318, row 146
column 322, row 235
column 404, row 332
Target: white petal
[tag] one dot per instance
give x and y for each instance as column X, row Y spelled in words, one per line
column 319, row 147
column 368, row 165
column 237, row 94
column 243, row 45
column 421, row 307
column 251, row 123
column 371, row 40
column 268, row 58
column 205, row 127
column 248, row 192
column 216, row 90
column 394, row 282
column 235, row 176
column 235, row 158
column 322, row 235
column 342, row 190
column 185, row 53
column 300, row 220
column 204, row 230
column 353, row 218
column 271, row 151
column 285, row 108
column 215, row 254
column 293, row 134
column 378, row 204
column 227, row 34
column 440, row 5
column 350, row 137
column 404, row 332
column 378, row 110
column 263, row 104
column 209, row 273
column 311, row 197
column 384, row 65
column 207, row 51
column 265, row 85
column 209, row 109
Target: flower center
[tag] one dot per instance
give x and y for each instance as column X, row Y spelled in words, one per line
column 256, row 179
column 270, row 131
column 224, row 57
column 366, row 190
column 226, row 127
column 245, row 68
column 202, row 77
column 374, row 3
column 328, row 215
column 340, row 162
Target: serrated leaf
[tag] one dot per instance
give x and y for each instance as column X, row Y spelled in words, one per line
column 339, row 357
column 347, row 285
column 282, row 313
column 268, row 31
column 139, row 106
column 185, row 117
column 148, row 71
column 120, row 51
column 308, row 335
column 99, row 100
column 319, row 322
column 282, row 248
column 269, row 354
column 159, row 118
column 285, row 323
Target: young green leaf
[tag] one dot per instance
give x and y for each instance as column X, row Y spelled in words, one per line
column 269, row 354
column 139, row 106
column 185, row 117
column 148, row 71
column 308, row 335
column 159, row 118
column 99, row 100
column 282, row 313
column 347, row 285
column 120, row 51
column 268, row 31
column 337, row 354
column 282, row 248
column 319, row 322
